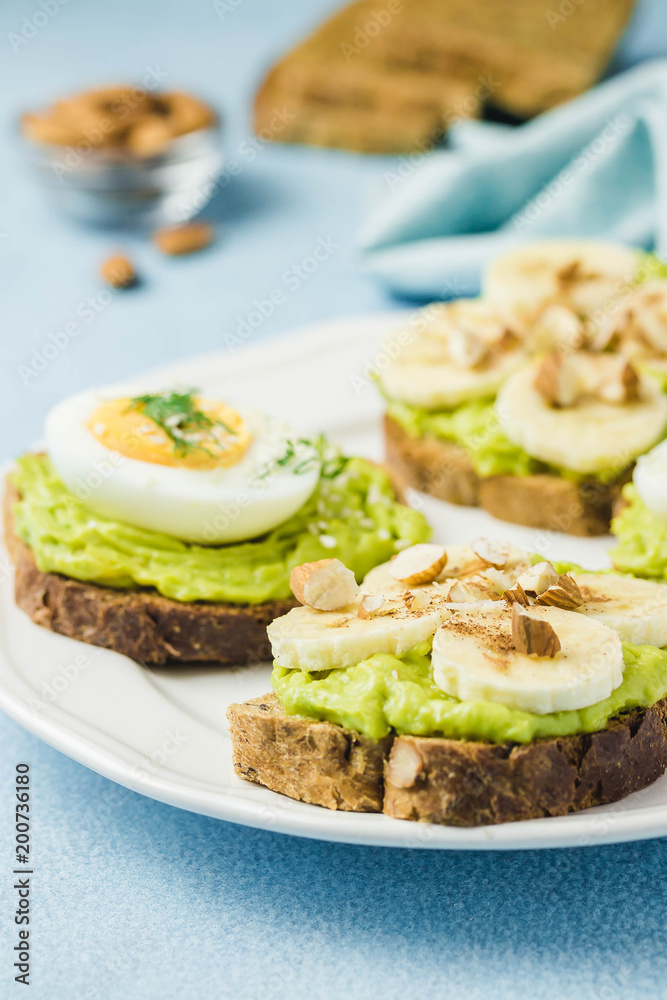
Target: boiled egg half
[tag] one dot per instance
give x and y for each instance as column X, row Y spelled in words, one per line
column 650, row 478
column 175, row 462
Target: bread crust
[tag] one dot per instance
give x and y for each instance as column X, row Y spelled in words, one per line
column 550, row 502
column 450, row 782
column 141, row 624
column 316, row 762
column 437, row 467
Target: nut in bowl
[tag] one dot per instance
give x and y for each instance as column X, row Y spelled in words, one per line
column 124, row 157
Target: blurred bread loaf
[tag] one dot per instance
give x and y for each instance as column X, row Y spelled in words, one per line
column 391, row 78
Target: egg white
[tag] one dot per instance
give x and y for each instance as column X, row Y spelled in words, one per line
column 209, row 506
column 650, row 478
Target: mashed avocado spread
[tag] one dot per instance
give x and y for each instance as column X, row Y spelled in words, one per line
column 352, row 515
column 386, row 694
column 642, row 539
column 474, row 427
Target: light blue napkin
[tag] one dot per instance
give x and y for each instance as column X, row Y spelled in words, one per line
column 594, row 167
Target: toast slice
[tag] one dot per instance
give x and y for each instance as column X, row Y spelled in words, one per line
column 141, row 624
column 311, row 761
column 551, row 502
column 392, row 79
column 445, row 781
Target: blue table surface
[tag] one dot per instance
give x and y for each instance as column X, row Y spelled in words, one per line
column 133, row 899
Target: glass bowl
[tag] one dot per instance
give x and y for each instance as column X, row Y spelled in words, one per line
column 111, row 188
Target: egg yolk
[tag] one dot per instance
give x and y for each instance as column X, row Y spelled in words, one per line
column 220, row 440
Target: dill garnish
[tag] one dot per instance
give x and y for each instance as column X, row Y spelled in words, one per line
column 330, row 460
column 177, row 414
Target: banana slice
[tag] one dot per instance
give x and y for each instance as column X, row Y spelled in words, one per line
column 583, row 275
column 635, row 609
column 474, row 658
column 453, row 352
column 589, row 437
column 305, row 639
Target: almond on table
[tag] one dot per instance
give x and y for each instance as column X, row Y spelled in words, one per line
column 118, row 271
column 175, row 240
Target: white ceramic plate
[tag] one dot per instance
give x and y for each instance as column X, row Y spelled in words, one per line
column 164, row 733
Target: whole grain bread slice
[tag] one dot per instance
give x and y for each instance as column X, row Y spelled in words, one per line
column 445, row 781
column 430, row 63
column 314, row 762
column 444, row 470
column 141, row 624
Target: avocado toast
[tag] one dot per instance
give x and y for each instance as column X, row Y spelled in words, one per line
column 462, row 685
column 533, row 401
column 166, row 561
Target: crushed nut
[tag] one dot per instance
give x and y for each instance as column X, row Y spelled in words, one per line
column 557, row 379
column 493, row 553
column 537, row 578
column 466, row 348
column 404, row 765
column 569, row 273
column 471, row 591
column 370, row 605
column 564, row 594
column 516, row 595
column 418, row 564
column 416, row 600
column 463, row 562
column 326, row 585
column 532, row 635
column 564, row 379
column 621, row 384
column 558, row 327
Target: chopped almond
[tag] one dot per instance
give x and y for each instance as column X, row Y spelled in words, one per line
column 557, row 380
column 532, row 635
column 369, row 606
column 326, row 585
column 495, row 554
column 416, row 600
column 404, row 765
column 418, row 564
column 564, row 594
column 621, row 384
column 604, row 332
column 465, row 564
column 537, row 578
column 466, row 348
column 564, row 379
column 118, row 271
column 469, row 591
column 569, row 273
column 559, row 328
column 516, row 595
